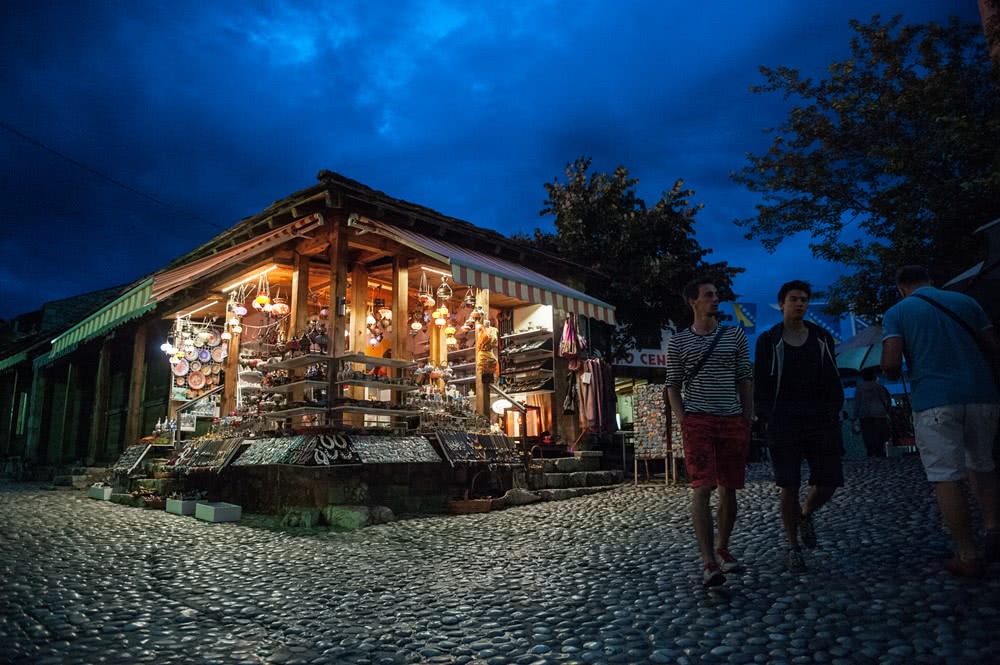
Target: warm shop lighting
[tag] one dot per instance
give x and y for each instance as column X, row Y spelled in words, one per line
column 244, row 281
column 436, row 271
column 208, row 304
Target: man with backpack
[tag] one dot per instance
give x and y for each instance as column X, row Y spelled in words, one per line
column 710, row 393
column 950, row 350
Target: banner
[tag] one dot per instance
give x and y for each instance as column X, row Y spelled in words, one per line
column 825, row 321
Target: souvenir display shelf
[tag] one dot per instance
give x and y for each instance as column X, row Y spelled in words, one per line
column 288, row 387
column 534, row 347
column 381, row 385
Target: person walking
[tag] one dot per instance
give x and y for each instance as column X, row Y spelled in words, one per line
column 710, row 394
column 950, row 348
column 871, row 412
column 798, row 395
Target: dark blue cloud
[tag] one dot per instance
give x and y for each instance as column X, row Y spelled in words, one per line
column 219, row 109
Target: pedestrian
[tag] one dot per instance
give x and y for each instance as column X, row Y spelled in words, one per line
column 949, row 347
column 711, row 395
column 798, row 395
column 871, row 412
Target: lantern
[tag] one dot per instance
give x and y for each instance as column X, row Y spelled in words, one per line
column 237, row 330
column 451, row 341
column 280, row 307
column 233, row 321
column 444, row 291
column 226, row 335
column 440, row 321
column 470, row 299
column 416, row 325
column 372, row 341
column 240, row 310
column 262, row 299
column 324, row 312
column 450, row 331
column 165, row 347
column 268, row 308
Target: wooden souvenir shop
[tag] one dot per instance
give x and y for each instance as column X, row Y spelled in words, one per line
column 342, row 326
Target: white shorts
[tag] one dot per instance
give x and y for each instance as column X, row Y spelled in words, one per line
column 954, row 438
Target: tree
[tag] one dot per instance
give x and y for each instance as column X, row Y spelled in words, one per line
column 900, row 140
column 645, row 255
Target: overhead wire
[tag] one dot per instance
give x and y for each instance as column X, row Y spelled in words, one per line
column 104, row 176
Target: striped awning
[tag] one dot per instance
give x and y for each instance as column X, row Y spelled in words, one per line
column 10, row 361
column 134, row 303
column 480, row 270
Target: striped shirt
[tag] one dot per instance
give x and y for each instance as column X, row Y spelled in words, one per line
column 713, row 389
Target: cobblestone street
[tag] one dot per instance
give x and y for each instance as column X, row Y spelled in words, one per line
column 611, row 578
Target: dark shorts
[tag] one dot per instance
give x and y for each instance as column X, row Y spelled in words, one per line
column 817, row 441
column 715, row 450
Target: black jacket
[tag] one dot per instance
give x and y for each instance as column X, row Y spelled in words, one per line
column 769, row 361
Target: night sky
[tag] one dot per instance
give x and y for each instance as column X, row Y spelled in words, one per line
column 217, row 109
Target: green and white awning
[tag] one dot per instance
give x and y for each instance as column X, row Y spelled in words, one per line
column 10, row 361
column 134, row 303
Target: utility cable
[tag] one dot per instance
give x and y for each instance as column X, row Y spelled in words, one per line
column 104, row 176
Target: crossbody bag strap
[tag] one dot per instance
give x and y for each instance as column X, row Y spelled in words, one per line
column 953, row 315
column 704, row 358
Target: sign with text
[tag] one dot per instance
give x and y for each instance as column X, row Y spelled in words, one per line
column 655, row 358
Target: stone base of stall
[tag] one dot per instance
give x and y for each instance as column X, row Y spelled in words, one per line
column 406, row 489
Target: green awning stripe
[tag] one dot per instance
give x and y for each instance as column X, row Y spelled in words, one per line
column 13, row 360
column 125, row 308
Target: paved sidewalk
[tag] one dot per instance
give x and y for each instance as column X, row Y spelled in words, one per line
column 610, row 578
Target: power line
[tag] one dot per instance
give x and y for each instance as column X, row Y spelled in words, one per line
column 104, row 176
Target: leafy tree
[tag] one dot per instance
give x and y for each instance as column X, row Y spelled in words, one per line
column 900, row 140
column 645, row 254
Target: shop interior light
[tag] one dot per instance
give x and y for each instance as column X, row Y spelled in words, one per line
column 244, row 281
column 443, row 273
column 198, row 309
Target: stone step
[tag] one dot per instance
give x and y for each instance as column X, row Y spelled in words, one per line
column 572, row 492
column 576, row 479
column 585, row 460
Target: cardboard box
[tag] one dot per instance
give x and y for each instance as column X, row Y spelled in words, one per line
column 178, row 507
column 218, row 512
column 99, row 493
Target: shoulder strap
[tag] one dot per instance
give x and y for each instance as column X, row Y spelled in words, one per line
column 950, row 313
column 708, row 353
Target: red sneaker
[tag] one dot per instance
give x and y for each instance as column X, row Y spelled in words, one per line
column 727, row 562
column 713, row 575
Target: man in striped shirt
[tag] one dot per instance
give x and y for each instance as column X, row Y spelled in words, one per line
column 711, row 396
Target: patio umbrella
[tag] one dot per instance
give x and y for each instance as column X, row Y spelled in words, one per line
column 862, row 351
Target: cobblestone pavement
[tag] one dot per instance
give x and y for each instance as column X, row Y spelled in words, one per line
column 607, row 578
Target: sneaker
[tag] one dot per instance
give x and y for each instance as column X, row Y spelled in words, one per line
column 807, row 531
column 972, row 568
column 727, row 562
column 794, row 561
column 991, row 545
column 713, row 575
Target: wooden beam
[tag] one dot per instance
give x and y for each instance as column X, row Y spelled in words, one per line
column 231, row 367
column 313, row 244
column 482, row 390
column 99, row 420
column 136, row 385
column 337, row 320
column 299, row 314
column 400, row 305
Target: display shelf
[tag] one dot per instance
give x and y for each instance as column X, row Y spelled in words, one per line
column 526, row 356
column 289, row 387
column 381, row 385
column 463, row 366
column 458, row 352
column 542, row 391
column 252, row 376
column 528, row 334
column 464, row 379
column 297, row 362
column 249, row 387
column 297, row 411
column 513, row 371
column 375, row 361
column 374, row 411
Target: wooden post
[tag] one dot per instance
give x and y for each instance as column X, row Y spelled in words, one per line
column 338, row 299
column 298, row 316
column 358, row 329
column 231, row 367
column 36, row 414
column 136, row 385
column 61, row 455
column 400, row 322
column 99, row 420
column 482, row 390
column 9, row 441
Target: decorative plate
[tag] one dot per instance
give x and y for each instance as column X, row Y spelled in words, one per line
column 216, row 369
column 195, row 365
column 191, row 355
column 179, row 381
column 181, row 368
column 201, row 339
column 219, row 354
column 196, row 380
column 213, row 338
column 206, row 369
column 204, row 355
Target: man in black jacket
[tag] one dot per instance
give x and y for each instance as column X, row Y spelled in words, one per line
column 798, row 395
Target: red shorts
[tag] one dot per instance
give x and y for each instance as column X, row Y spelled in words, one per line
column 715, row 450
